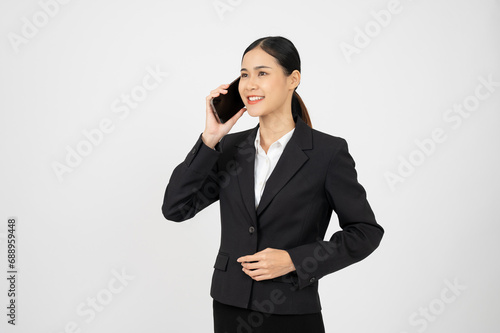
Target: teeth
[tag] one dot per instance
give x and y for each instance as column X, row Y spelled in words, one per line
column 255, row 98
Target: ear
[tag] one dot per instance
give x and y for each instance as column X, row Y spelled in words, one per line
column 294, row 79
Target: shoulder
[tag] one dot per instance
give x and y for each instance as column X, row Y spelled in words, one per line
column 237, row 138
column 240, row 136
column 321, row 136
column 231, row 141
column 327, row 143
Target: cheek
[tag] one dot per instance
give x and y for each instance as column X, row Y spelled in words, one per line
column 276, row 93
column 240, row 90
column 275, row 87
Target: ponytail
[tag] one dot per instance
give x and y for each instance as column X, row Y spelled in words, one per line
column 299, row 109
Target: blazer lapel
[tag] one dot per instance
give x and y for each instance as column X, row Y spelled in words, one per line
column 290, row 161
column 245, row 159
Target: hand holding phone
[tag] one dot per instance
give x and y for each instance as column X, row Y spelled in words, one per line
column 215, row 127
column 225, row 106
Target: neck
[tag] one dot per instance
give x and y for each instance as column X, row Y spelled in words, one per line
column 273, row 126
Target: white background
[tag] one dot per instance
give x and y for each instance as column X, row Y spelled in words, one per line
column 104, row 217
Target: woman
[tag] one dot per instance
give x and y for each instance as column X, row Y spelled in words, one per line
column 278, row 185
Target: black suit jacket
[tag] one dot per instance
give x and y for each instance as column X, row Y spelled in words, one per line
column 314, row 176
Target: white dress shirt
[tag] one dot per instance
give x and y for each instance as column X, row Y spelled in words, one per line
column 265, row 163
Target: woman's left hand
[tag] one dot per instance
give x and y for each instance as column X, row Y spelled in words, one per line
column 267, row 264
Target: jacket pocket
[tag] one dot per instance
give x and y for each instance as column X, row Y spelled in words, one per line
column 221, row 261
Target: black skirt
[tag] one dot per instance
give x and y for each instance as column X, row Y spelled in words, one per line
column 232, row 319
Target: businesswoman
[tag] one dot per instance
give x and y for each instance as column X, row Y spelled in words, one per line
column 277, row 184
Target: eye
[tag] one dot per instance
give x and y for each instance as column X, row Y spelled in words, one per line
column 244, row 74
column 262, row 73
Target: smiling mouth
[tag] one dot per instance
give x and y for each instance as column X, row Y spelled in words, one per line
column 254, row 99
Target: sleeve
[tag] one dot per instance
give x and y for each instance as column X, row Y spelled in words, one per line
column 193, row 184
column 360, row 234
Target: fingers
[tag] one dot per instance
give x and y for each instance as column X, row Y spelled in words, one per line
column 222, row 89
column 213, row 126
column 259, row 274
column 251, row 257
column 254, row 265
column 214, row 93
column 252, row 274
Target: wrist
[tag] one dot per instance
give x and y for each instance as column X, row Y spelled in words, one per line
column 209, row 141
column 291, row 265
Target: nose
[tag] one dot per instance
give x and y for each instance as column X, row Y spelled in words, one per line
column 251, row 83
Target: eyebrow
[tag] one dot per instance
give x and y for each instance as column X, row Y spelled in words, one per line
column 255, row 68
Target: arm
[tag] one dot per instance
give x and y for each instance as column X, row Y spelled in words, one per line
column 360, row 233
column 193, row 184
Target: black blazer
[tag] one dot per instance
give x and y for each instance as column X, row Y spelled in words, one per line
column 314, row 176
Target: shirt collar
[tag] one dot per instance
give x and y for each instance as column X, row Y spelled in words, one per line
column 282, row 141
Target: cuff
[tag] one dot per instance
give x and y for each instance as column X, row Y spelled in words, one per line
column 202, row 158
column 306, row 265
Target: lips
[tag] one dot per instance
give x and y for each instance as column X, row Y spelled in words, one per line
column 254, row 99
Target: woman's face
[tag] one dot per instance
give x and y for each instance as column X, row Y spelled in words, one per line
column 264, row 87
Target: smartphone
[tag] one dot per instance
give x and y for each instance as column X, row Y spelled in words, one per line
column 225, row 106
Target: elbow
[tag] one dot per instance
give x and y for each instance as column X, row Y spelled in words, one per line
column 172, row 214
column 374, row 239
column 370, row 237
column 171, row 217
column 177, row 209
column 376, row 236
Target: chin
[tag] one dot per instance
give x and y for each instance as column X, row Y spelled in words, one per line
column 259, row 111
column 253, row 113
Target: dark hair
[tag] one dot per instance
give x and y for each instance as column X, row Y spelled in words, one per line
column 287, row 56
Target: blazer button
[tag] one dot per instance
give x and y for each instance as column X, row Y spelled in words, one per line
column 193, row 151
column 251, row 230
column 313, row 279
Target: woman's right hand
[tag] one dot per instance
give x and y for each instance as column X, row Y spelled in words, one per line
column 214, row 131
